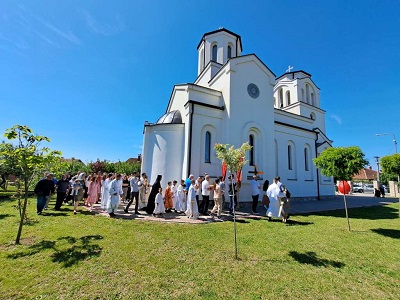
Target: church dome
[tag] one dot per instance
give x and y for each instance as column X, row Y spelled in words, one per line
column 172, row 117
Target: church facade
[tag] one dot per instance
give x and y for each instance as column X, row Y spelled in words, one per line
column 235, row 99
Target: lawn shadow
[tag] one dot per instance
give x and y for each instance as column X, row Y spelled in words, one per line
column 380, row 212
column 392, row 233
column 237, row 220
column 298, row 223
column 81, row 249
column 33, row 249
column 311, row 258
column 3, row 216
column 68, row 250
column 54, row 214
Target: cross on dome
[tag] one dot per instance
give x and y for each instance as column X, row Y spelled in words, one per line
column 290, row 68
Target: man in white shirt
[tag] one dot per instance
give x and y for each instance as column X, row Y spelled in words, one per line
column 134, row 183
column 255, row 193
column 205, row 193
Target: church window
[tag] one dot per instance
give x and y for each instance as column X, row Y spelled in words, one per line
column 288, row 97
column 307, row 93
column 275, row 101
column 214, row 53
column 229, row 52
column 207, row 146
column 302, row 95
column 251, row 152
column 306, row 159
column 290, row 162
column 312, row 99
column 312, row 116
column 280, row 98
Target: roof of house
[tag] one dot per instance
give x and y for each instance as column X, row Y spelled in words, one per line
column 365, row 174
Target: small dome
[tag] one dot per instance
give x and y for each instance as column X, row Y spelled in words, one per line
column 172, row 117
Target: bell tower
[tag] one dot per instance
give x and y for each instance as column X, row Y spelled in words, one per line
column 218, row 47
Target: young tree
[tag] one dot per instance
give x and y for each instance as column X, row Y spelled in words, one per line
column 341, row 163
column 391, row 165
column 29, row 158
column 234, row 160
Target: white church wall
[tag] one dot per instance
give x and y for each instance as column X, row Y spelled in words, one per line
column 205, row 95
column 205, row 120
column 179, row 99
column 300, row 182
column 163, row 151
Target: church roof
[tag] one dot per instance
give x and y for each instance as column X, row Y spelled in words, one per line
column 294, row 77
column 293, row 73
column 220, row 30
column 172, row 117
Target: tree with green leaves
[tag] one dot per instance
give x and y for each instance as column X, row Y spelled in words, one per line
column 234, row 159
column 391, row 165
column 29, row 158
column 341, row 163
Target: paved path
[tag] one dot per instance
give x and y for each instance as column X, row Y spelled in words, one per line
column 334, row 203
column 296, row 207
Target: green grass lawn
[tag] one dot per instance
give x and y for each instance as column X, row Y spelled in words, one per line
column 86, row 256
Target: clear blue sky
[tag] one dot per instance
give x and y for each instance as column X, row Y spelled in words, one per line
column 88, row 74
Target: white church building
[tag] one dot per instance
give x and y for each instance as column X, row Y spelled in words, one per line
column 235, row 99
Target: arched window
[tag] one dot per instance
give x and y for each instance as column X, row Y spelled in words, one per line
column 288, row 97
column 229, row 52
column 275, row 101
column 312, row 99
column 307, row 93
column 214, row 53
column 207, row 148
column 302, row 95
column 251, row 152
column 290, row 162
column 312, row 116
column 280, row 98
column 306, row 160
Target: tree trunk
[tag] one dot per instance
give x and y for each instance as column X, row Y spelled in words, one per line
column 21, row 222
column 234, row 218
column 345, row 205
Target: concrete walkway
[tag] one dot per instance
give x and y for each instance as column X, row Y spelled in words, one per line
column 334, row 203
column 243, row 213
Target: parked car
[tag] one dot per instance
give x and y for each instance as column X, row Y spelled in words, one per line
column 368, row 188
column 358, row 189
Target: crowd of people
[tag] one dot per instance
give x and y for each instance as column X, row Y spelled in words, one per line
column 190, row 197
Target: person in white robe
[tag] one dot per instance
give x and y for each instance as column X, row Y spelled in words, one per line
column 174, row 189
column 105, row 195
column 192, row 210
column 159, row 209
column 115, row 192
column 180, row 197
column 273, row 192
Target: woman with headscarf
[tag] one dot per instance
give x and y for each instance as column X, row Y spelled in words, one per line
column 152, row 197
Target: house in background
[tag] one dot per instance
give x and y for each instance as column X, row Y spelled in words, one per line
column 366, row 174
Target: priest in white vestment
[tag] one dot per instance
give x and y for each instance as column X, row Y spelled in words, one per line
column 192, row 210
column 115, row 192
column 273, row 192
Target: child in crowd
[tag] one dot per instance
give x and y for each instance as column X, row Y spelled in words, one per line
column 159, row 210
